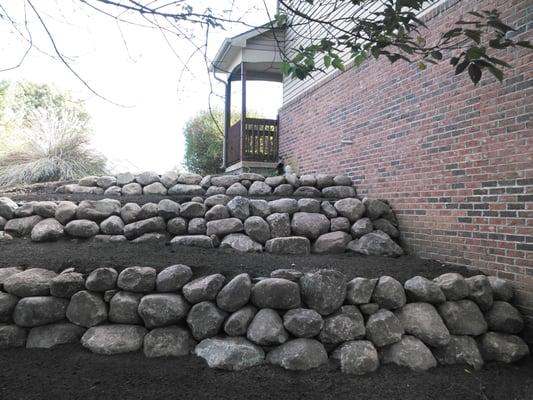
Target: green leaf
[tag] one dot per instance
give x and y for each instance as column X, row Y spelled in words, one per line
column 337, row 63
column 473, row 35
column 461, row 67
column 525, row 43
column 285, row 68
column 498, row 73
column 475, row 73
column 454, row 60
column 421, row 66
column 437, row 55
column 327, row 61
column 473, row 53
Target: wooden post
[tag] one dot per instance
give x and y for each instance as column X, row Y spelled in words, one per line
column 227, row 121
column 243, row 108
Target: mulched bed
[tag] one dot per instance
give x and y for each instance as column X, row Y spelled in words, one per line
column 71, row 372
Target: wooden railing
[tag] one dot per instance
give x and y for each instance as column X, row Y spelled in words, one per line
column 260, row 141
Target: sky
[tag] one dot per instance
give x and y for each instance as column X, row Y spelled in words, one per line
column 138, row 70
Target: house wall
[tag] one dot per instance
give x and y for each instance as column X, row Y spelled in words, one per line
column 455, row 160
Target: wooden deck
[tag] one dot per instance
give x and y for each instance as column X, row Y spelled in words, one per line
column 259, row 141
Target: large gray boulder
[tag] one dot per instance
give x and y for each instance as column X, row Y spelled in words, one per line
column 239, row 207
column 419, row 288
column 177, row 226
column 224, row 180
column 217, row 200
column 5, row 273
column 340, row 224
column 12, row 336
column 106, row 181
column 124, row 178
column 47, row 230
column 45, row 209
column 389, row 293
column 201, row 241
column 123, row 308
column 308, row 180
column 302, row 322
column 87, row 309
column 205, row 320
column 132, row 189
column 181, row 189
column 359, row 290
column 257, row 229
column 129, row 212
column 361, row 227
column 338, row 192
column 240, row 242
column 82, row 228
column 384, row 328
column 168, row 209
column 501, row 289
column 287, row 273
column 309, row 205
column 204, row 288
column 259, row 208
column 307, row 191
column 298, row 354
column 7, row 207
column 267, row 329
column 235, row 294
column 358, row 357
column 332, row 242
column 161, row 309
column 423, row 321
column 344, row 325
column 351, row 208
column 223, row 227
column 112, row 225
column 480, row 291
column 136, row 229
column 288, row 245
column 237, row 323
column 386, row 226
column 8, row 302
column 192, row 209
column 197, row 226
column 232, row 353
column 328, row 210
column 259, row 188
column 102, row 279
column 324, row 290
column 67, row 284
column 376, row 208
column 114, row 339
column 170, row 341
column 148, row 210
column 280, row 225
column 218, row 211
column 24, row 210
column 21, row 227
column 276, row 293
column 147, row 177
column 65, row 211
column 284, row 189
column 52, row 335
column 113, row 191
column 409, row 352
column 31, row 282
column 503, row 317
column 459, row 350
column 39, row 310
column 137, row 279
column 309, row 225
column 98, row 210
column 376, row 243
column 289, row 206
column 155, row 188
column 323, row 181
column 463, row 317
column 173, row 278
column 274, row 181
column 495, row 346
column 4, row 237
column 453, row 285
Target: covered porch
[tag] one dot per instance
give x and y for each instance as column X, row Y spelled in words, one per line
column 251, row 142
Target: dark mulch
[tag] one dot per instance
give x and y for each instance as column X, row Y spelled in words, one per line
column 71, row 372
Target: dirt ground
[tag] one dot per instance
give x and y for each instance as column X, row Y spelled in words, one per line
column 71, row 372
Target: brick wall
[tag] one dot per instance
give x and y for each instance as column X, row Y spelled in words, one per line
column 456, row 161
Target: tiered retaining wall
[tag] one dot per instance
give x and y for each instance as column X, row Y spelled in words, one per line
column 298, row 321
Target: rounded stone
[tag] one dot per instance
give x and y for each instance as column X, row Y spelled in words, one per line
column 299, row 354
column 453, row 285
column 205, row 320
column 123, row 308
column 237, row 323
column 309, row 225
column 31, row 282
column 39, row 310
column 67, row 284
column 173, row 278
column 8, row 302
column 112, row 225
column 460, row 350
column 162, row 309
column 257, row 229
column 384, row 328
column 232, row 353
column 495, row 346
column 12, row 336
column 235, row 294
column 86, row 309
column 137, row 279
column 463, row 317
column 289, row 206
column 503, row 317
column 324, row 291
column 82, row 228
column 480, row 291
column 359, row 290
column 114, row 339
column 331, row 243
column 302, row 322
column 52, row 335
column 102, row 279
column 423, row 321
column 170, row 341
column 422, row 289
column 344, row 325
column 177, row 226
column 351, row 208
column 389, row 293
column 204, row 288
column 267, row 329
column 47, row 230
column 276, row 293
column 357, row 357
column 409, row 352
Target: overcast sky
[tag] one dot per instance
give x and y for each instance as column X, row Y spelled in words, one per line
column 131, row 66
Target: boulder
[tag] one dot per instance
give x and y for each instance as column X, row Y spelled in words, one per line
column 287, row 273
column 302, row 322
column 375, row 208
column 98, row 210
column 235, row 294
column 480, row 291
column 344, row 325
column 201, row 241
column 384, row 328
column 197, row 226
column 21, row 227
column 45, row 209
column 137, row 279
column 52, row 335
column 267, row 329
column 173, row 278
column 453, row 285
column 276, row 293
column 280, row 225
column 169, row 179
column 308, row 180
column 12, row 336
column 288, row 245
column 161, row 309
column 361, row 227
column 102, row 279
column 259, row 208
column 192, row 209
column 170, row 341
column 328, row 210
column 7, row 272
column 124, row 178
column 389, row 293
column 324, row 290
column 503, row 317
column 257, row 229
column 369, row 309
column 459, row 350
column 284, row 189
column 147, row 177
column 4, row 237
column 259, row 188
column 218, row 211
column 7, row 207
column 240, row 242
column 215, row 190
column 232, row 353
column 292, row 179
column 323, row 181
column 136, row 229
column 23, row 210
column 463, row 317
column 358, row 357
column 351, row 208
column 205, row 320
column 112, row 225
column 239, row 207
column 65, row 212
column 47, row 230
column 8, row 302
column 151, row 237
column 67, row 284
column 113, row 191
column 123, row 308
column 274, row 181
column 217, row 200
column 190, row 179
column 342, row 180
column 309, row 225
column 289, row 206
column 495, row 346
column 177, row 226
column 181, row 189
column 359, row 290
column 409, row 352
column 332, row 242
column 82, row 228
column 341, row 224
column 205, row 288
column 423, row 321
column 87, row 309
column 299, row 354
column 501, row 289
column 129, row 212
column 39, row 310
column 376, row 243
column 224, row 227
column 75, row 188
column 168, row 209
column 114, row 339
column 132, row 189
column 237, row 323
column 31, row 282
column 224, row 180
column 422, row 289
column 339, row 192
column 307, row 191
column 386, row 226
column 105, row 181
